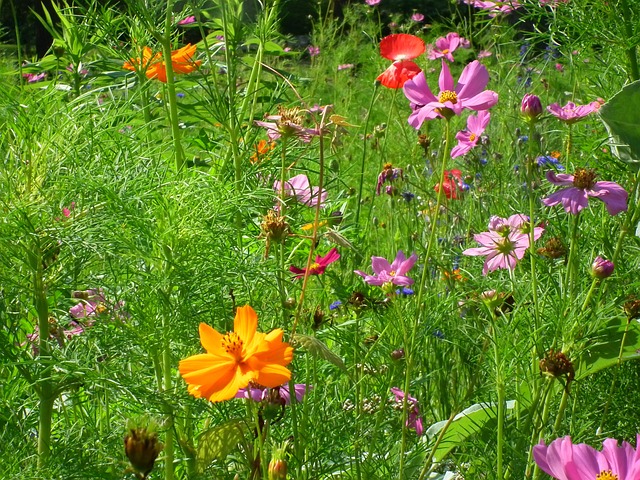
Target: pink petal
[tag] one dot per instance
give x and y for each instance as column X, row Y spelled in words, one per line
column 380, row 265
column 446, row 80
column 613, row 195
column 562, row 179
column 417, row 90
column 573, row 200
column 473, row 80
column 482, row 101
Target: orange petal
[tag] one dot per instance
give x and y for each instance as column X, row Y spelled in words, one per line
column 210, row 339
column 203, row 369
column 246, row 324
column 227, row 390
column 273, row 375
column 398, row 73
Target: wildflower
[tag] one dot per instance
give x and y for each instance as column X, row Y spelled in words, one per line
column 417, row 17
column 413, row 419
column 299, row 187
column 345, row 66
column 582, row 185
column 187, row 20
column 495, row 8
column 517, row 222
column 313, row 51
column 401, row 48
column 501, row 251
column 318, row 267
column 287, row 123
column 390, row 274
column 565, row 461
column 237, row 358
column 259, row 394
column 154, row 66
column 531, row 107
column 559, row 67
column 484, row 54
column 388, row 174
column 372, row 3
column 142, row 447
column 335, row 305
column 34, row 77
column 468, row 93
column 602, row 268
column 551, row 160
column 469, row 138
column 571, row 112
column 451, row 184
column 444, row 47
column 261, row 149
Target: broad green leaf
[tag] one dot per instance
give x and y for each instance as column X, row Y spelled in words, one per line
column 318, row 349
column 621, row 116
column 465, row 424
column 218, row 442
column 605, row 351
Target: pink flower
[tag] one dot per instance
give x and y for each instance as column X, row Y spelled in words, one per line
column 602, row 268
column 571, row 112
column 318, row 267
column 495, row 8
column 516, row 222
column 413, row 419
column 484, row 54
column 559, row 67
column 502, row 251
column 445, row 46
column 187, row 20
column 531, row 106
column 470, row 137
column 34, row 77
column 394, row 274
column 279, row 395
column 345, row 66
column 372, row 3
column 468, row 93
column 288, row 123
column 313, row 51
column 299, row 187
column 582, row 185
column 417, row 17
column 565, row 461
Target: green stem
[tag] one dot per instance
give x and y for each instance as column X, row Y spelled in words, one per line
column 167, row 386
column 570, row 274
column 364, row 155
column 615, row 378
column 561, row 409
column 532, row 249
column 628, row 28
column 500, row 391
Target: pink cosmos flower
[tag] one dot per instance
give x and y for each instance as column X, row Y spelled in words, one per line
column 279, row 394
column 502, row 251
column 445, row 46
column 372, row 3
column 187, row 20
column 516, row 222
column 582, row 185
column 300, row 188
column 313, row 51
column 495, row 8
column 345, row 66
column 484, row 54
column 571, row 112
column 417, row 17
column 468, row 93
column 469, row 138
column 394, row 274
column 413, row 419
column 565, row 461
column 289, row 122
column 34, row 77
column 318, row 267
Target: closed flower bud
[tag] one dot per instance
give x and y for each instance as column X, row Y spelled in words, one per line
column 531, row 107
column 142, row 448
column 602, row 268
column 277, row 469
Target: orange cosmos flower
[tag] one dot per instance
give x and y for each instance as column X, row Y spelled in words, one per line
column 237, row 358
column 154, row 66
column 262, row 148
column 401, row 48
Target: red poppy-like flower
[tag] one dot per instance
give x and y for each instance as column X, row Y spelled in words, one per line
column 451, row 184
column 401, row 48
column 318, row 267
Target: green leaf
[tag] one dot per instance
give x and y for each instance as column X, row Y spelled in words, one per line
column 605, row 351
column 621, row 116
column 218, row 442
column 468, row 422
column 318, row 349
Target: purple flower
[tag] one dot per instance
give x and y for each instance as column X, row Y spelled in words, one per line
column 531, row 107
column 299, row 187
column 417, row 17
column 468, row 93
column 281, row 393
column 413, row 420
column 372, row 3
column 469, row 138
column 187, row 20
column 602, row 268
column 565, row 461
column 388, row 174
column 394, row 274
column 313, row 51
column 582, row 185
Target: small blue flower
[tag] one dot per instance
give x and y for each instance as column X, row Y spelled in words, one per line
column 335, row 305
column 438, row 334
column 404, row 291
column 180, row 95
column 408, row 196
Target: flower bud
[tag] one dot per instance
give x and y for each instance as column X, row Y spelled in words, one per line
column 602, row 268
column 277, row 469
column 531, row 107
column 142, row 448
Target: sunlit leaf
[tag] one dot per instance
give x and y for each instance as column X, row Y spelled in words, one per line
column 218, row 442
column 318, row 349
column 621, row 116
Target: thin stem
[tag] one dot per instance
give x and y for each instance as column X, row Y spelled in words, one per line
column 364, row 155
column 631, row 51
column 615, row 378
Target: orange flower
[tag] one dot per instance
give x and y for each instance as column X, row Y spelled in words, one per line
column 262, row 148
column 154, row 66
column 237, row 358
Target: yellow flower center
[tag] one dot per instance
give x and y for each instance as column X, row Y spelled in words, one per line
column 607, row 475
column 445, row 51
column 448, row 96
column 505, row 246
column 315, row 266
column 472, row 137
column 584, row 179
column 232, row 344
column 392, row 273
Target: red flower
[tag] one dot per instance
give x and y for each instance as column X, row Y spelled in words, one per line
column 401, row 48
column 451, row 184
column 318, row 267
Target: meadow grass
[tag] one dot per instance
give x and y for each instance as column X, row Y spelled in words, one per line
column 134, row 209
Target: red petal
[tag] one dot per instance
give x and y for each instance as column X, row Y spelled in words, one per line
column 398, row 73
column 401, row 46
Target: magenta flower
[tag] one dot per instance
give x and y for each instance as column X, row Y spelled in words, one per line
column 531, row 106
column 299, row 188
column 468, row 93
column 502, row 251
column 279, row 394
column 413, row 419
column 495, row 8
column 565, row 461
column 318, row 267
column 34, row 77
column 484, row 54
column 582, row 185
column 602, row 268
column 417, row 17
column 394, row 274
column 372, row 3
column 469, row 138
column 313, row 51
column 187, row 20
column 289, row 122
column 445, row 46
column 571, row 112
